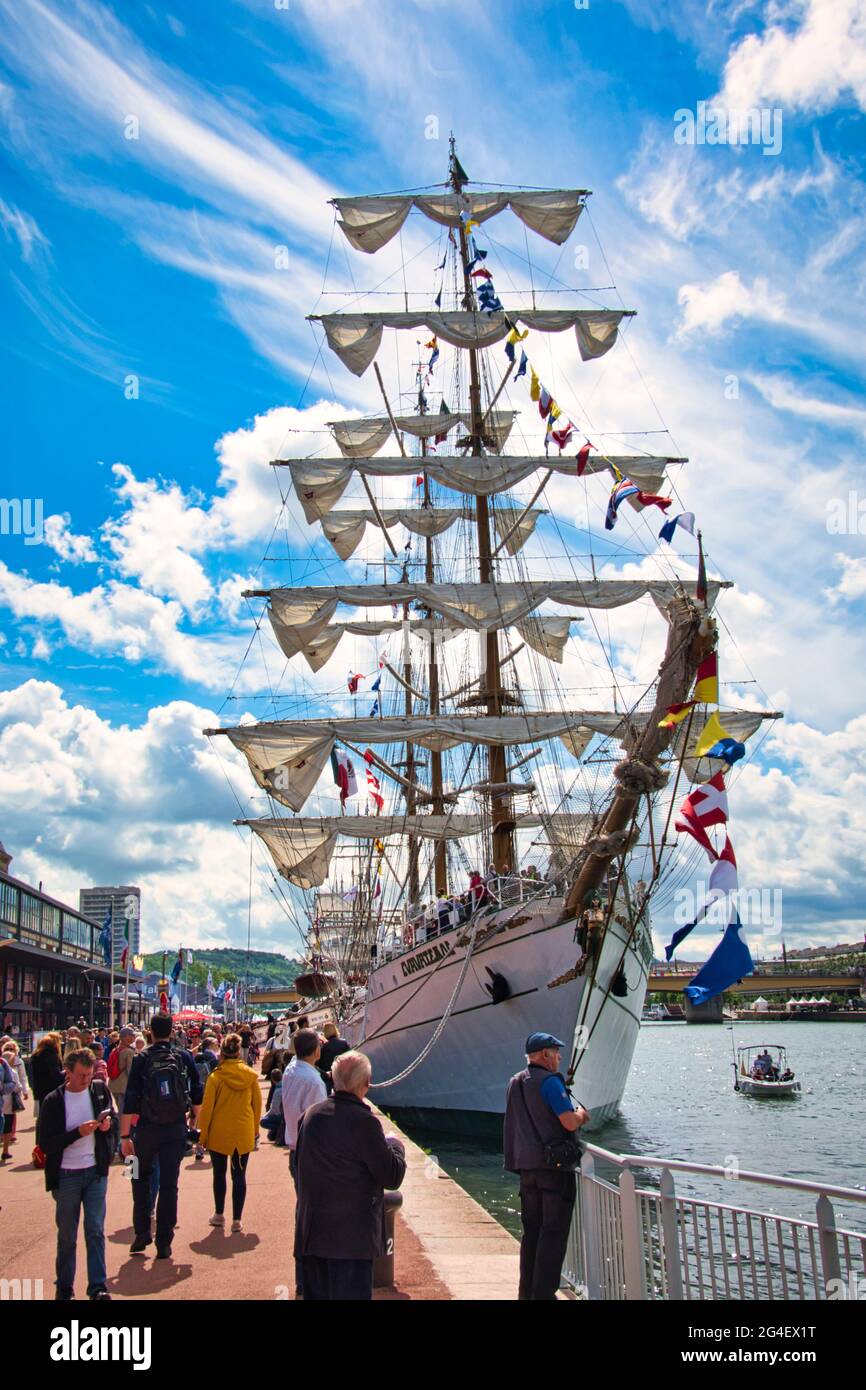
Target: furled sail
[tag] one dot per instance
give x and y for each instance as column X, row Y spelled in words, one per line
column 366, row 436
column 356, row 338
column 369, row 223
column 345, row 530
column 302, row 849
column 486, row 607
column 287, row 757
column 547, row 636
column 320, row 483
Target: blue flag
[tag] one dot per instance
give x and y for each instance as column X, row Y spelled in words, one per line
column 521, row 370
column 177, row 968
column 727, row 748
column 105, row 938
column 730, row 961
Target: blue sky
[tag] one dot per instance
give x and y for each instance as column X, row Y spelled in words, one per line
column 153, row 258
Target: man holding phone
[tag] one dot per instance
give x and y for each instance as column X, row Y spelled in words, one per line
column 75, row 1134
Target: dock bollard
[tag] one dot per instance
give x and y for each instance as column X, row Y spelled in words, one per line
column 383, row 1267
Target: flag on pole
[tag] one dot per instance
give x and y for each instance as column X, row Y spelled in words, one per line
column 723, row 880
column 707, row 681
column 713, row 733
column 675, row 714
column 209, row 983
column 730, row 961
column 685, row 519
column 344, row 774
column 105, row 938
column 728, row 749
column 707, row 805
column 701, row 586
column 177, row 968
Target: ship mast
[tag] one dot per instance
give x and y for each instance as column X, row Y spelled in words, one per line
column 490, row 693
column 440, row 858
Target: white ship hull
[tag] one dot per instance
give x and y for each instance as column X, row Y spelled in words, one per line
column 463, row 1079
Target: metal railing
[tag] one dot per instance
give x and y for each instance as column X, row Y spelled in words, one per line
column 630, row 1242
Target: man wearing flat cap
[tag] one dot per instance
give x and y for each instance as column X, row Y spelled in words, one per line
column 539, row 1116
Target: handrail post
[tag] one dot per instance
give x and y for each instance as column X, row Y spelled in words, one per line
column 589, row 1232
column 673, row 1275
column 631, row 1236
column 826, row 1219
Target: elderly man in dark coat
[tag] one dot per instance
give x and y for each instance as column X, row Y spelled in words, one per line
column 344, row 1165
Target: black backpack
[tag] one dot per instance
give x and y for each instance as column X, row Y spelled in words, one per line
column 164, row 1086
column 205, row 1061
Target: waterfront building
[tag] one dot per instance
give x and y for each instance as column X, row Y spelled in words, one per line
column 51, row 963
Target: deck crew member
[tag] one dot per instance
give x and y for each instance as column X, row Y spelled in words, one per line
column 539, row 1113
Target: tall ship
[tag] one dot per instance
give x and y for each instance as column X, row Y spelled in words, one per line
column 476, row 821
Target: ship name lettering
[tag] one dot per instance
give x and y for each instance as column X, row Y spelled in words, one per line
column 425, row 958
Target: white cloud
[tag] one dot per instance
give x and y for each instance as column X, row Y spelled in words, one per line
column 713, row 305
column 783, row 393
column 810, row 57
column 21, row 227
column 852, row 584
column 168, row 798
column 76, row 550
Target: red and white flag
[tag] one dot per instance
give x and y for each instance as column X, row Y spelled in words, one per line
column 723, row 874
column 707, row 805
column 374, row 786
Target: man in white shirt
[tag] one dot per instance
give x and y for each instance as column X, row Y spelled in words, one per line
column 75, row 1133
column 302, row 1086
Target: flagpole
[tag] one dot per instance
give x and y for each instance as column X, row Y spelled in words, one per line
column 111, row 983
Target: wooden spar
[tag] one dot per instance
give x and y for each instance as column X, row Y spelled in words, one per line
column 691, row 638
column 527, row 758
column 397, row 434
column 500, row 388
column 502, row 814
column 419, row 694
column 452, row 694
column 389, row 771
column 378, row 515
column 526, row 510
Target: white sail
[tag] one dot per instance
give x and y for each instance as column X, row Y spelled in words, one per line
column 320, row 483
column 356, row 338
column 369, row 223
column 317, row 644
column 366, row 436
column 287, row 757
column 345, row 529
column 302, row 848
column 487, row 607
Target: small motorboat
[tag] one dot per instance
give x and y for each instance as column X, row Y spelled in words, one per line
column 764, row 1071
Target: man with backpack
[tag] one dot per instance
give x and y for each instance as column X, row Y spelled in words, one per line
column 163, row 1087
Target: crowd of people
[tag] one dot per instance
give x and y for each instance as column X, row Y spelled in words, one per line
column 149, row 1099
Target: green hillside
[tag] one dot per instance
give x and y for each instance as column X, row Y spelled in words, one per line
column 260, row 968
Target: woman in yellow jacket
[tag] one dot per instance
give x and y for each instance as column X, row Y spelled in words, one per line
column 229, row 1124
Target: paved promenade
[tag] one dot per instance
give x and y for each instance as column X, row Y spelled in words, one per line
column 446, row 1246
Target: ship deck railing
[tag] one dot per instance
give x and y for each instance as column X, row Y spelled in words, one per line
column 631, row 1242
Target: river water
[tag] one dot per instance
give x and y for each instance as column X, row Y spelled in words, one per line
column 680, row 1103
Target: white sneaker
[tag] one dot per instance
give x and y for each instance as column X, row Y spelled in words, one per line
column 217, row 1220
column 236, row 1226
